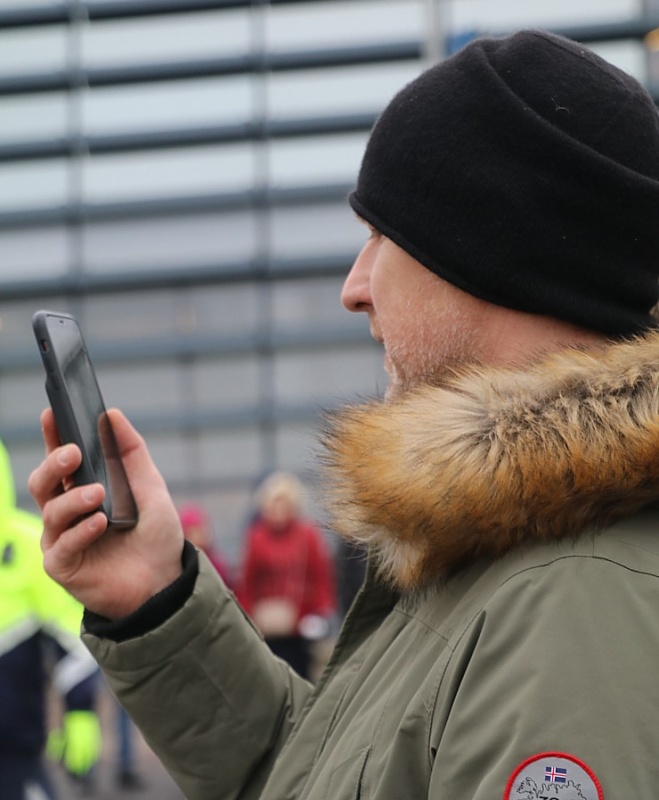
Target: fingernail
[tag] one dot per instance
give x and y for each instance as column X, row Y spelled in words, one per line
column 93, row 523
column 63, row 457
column 88, row 495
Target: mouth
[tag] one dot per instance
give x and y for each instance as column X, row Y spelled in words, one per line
column 376, row 335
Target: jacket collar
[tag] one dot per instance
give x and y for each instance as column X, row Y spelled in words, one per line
column 497, row 458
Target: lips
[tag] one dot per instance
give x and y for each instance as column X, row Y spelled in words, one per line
column 374, row 329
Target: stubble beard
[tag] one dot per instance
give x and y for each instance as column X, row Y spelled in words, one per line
column 432, row 354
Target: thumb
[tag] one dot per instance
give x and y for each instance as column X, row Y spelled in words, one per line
column 142, row 473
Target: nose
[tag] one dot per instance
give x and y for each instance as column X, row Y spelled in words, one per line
column 356, row 294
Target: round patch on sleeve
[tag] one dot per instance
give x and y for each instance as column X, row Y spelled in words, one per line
column 553, row 776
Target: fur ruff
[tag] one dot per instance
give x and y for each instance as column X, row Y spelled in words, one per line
column 497, row 458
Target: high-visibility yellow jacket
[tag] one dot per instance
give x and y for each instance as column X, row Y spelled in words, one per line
column 39, row 631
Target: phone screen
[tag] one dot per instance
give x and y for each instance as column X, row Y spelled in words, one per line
column 80, row 413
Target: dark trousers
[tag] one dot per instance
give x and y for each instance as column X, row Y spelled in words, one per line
column 24, row 778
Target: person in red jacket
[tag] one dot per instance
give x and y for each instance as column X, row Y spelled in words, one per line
column 287, row 582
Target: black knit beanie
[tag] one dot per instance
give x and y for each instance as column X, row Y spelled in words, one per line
column 525, row 171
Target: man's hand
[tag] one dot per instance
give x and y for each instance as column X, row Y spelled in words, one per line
column 111, row 572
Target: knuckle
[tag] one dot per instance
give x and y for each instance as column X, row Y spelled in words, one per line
column 33, row 482
column 48, row 515
column 49, row 566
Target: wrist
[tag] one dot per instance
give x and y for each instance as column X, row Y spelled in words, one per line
column 155, row 610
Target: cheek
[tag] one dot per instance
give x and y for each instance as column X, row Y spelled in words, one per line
column 431, row 341
column 408, row 341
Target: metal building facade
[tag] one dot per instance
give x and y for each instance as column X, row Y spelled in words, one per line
column 174, row 173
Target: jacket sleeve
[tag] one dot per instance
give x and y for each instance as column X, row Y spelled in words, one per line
column 557, row 672
column 210, row 698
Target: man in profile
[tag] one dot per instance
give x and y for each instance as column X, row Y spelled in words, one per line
column 505, row 642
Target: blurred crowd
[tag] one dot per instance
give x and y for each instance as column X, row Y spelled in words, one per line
column 59, row 719
column 294, row 583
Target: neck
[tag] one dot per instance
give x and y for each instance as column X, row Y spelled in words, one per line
column 517, row 339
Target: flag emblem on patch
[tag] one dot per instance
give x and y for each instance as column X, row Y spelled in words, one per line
column 557, row 776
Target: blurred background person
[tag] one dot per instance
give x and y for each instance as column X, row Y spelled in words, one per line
column 127, row 774
column 287, row 577
column 197, row 529
column 40, row 649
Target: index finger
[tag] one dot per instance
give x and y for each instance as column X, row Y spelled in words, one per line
column 54, row 473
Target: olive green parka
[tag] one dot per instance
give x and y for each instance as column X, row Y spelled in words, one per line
column 506, row 641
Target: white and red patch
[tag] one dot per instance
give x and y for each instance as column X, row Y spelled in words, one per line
column 553, row 776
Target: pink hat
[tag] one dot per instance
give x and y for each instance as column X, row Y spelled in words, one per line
column 192, row 516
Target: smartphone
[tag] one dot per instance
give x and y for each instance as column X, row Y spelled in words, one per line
column 80, row 415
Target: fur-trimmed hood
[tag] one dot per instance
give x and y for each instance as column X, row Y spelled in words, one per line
column 497, row 458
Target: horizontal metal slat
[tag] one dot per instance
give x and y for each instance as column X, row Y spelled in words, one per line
column 635, row 28
column 58, row 13
column 81, row 284
column 102, row 144
column 128, row 74
column 173, row 206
